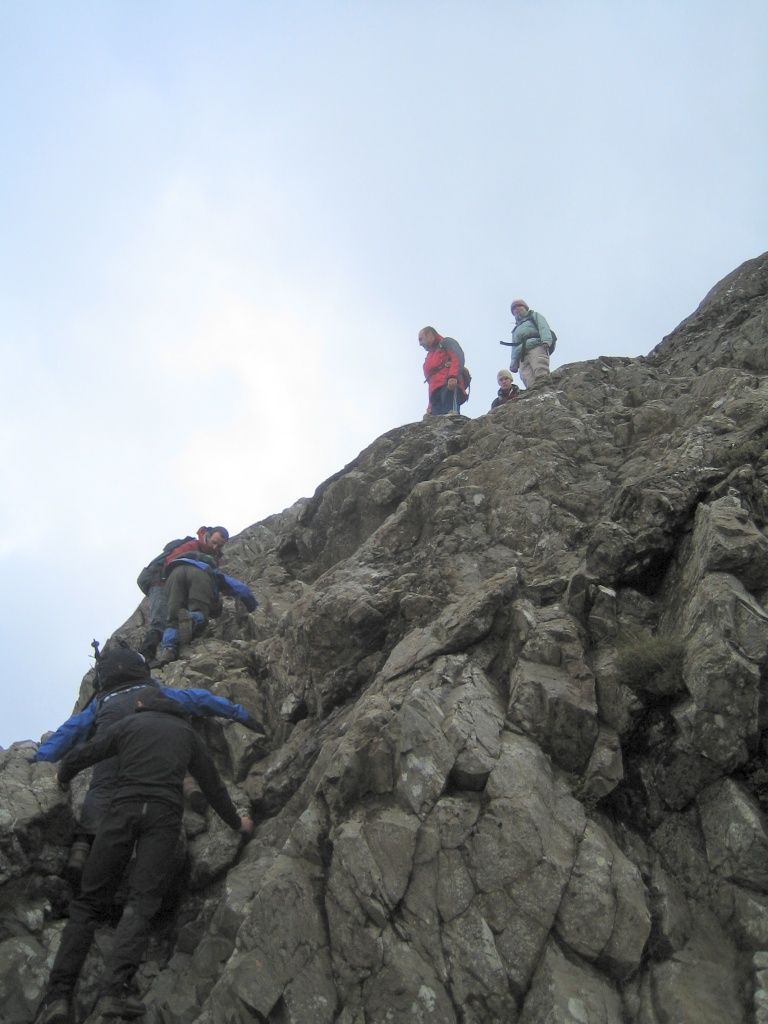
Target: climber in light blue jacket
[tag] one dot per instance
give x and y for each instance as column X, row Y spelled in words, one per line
column 533, row 340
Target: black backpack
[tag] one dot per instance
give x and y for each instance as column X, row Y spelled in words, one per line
column 152, row 573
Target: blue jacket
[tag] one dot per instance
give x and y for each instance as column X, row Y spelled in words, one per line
column 107, row 708
column 529, row 332
column 227, row 584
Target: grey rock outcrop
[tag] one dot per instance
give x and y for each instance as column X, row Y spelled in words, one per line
column 513, row 673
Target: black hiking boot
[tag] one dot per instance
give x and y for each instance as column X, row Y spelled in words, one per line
column 149, row 644
column 166, row 656
column 124, row 1004
column 55, row 1010
column 78, row 855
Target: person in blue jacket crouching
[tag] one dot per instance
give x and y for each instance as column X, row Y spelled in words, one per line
column 193, row 589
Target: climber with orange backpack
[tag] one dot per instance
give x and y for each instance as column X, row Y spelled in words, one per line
column 446, row 376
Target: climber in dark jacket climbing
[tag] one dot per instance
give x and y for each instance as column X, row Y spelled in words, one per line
column 122, row 676
column 154, row 748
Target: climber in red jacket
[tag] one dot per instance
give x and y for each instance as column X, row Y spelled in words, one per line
column 443, row 372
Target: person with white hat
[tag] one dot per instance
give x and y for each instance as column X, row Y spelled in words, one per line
column 508, row 390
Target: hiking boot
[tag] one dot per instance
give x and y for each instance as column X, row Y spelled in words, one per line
column 78, row 855
column 198, row 624
column 166, row 656
column 149, row 644
column 123, row 1005
column 56, row 1011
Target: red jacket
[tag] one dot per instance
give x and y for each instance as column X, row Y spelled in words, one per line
column 440, row 364
column 190, row 545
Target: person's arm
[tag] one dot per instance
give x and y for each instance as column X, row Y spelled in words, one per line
column 73, row 731
column 514, row 356
column 545, row 331
column 455, row 363
column 203, row 704
column 106, row 744
column 203, row 770
column 236, row 588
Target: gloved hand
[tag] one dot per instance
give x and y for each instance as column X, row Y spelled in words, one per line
column 250, row 602
column 254, row 725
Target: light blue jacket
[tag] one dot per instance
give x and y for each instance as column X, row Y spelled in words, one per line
column 529, row 332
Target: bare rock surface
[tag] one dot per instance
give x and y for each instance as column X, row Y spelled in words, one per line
column 513, row 672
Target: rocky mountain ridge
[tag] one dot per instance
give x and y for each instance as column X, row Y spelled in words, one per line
column 513, row 674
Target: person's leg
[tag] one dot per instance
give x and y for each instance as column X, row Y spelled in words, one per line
column 103, row 870
column 78, row 855
column 176, row 597
column 158, row 613
column 441, row 401
column 202, row 596
column 537, row 365
column 149, row 879
column 176, row 593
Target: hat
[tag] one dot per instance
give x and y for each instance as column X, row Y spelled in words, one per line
column 507, row 374
column 119, row 665
column 518, row 302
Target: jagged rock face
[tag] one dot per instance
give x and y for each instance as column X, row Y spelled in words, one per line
column 513, row 671
column 728, row 328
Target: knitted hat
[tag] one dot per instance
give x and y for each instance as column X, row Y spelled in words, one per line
column 506, row 374
column 518, row 302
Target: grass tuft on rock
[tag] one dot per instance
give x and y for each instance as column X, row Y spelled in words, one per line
column 651, row 664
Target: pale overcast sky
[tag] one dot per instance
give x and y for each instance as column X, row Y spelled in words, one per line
column 223, row 224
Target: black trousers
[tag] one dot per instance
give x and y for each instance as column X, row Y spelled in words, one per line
column 152, row 828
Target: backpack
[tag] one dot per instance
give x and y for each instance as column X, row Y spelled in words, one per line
column 451, row 345
column 510, row 344
column 152, row 573
column 554, row 336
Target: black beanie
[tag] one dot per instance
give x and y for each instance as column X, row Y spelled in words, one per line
column 117, row 666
